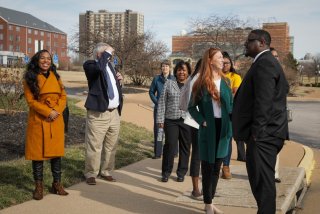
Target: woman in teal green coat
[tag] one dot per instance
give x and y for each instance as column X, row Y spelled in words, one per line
column 211, row 106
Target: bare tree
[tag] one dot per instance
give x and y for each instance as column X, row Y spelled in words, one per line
column 136, row 54
column 226, row 32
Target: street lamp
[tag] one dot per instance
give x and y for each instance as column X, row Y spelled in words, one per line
column 300, row 73
column 317, row 74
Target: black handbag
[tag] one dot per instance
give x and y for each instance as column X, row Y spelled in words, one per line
column 65, row 115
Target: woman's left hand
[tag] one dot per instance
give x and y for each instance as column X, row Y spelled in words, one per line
column 53, row 115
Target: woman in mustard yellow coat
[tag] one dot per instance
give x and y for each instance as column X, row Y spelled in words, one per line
column 46, row 98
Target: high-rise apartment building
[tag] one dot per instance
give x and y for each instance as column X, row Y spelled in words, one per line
column 106, row 24
column 22, row 34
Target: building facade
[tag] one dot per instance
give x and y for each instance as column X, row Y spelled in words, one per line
column 107, row 24
column 193, row 46
column 22, row 34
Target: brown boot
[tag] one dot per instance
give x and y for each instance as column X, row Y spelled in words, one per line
column 226, row 172
column 57, row 188
column 38, row 191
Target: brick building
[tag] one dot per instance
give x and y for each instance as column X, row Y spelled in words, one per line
column 22, row 34
column 192, row 46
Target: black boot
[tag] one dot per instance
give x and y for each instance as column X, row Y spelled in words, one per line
column 57, row 188
column 37, row 167
column 56, row 169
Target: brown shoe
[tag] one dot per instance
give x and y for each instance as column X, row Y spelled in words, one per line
column 57, row 188
column 226, row 172
column 38, row 192
column 91, row 181
column 108, row 178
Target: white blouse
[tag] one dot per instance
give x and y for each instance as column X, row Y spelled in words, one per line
column 215, row 104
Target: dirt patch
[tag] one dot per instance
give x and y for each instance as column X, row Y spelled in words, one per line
column 13, row 128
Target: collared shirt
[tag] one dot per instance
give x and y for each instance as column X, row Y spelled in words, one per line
column 259, row 55
column 113, row 103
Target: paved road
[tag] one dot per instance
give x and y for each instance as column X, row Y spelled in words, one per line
column 305, row 127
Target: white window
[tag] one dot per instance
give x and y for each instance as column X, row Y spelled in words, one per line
column 11, row 38
column 35, row 32
column 29, row 31
column 1, row 36
column 17, row 28
column 10, row 27
column 41, row 33
column 1, row 47
column 29, row 40
column 10, row 47
column 18, row 48
column 1, row 27
column 29, row 50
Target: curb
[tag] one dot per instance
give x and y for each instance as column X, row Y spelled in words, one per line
column 307, row 163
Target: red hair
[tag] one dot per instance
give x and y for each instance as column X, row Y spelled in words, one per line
column 205, row 79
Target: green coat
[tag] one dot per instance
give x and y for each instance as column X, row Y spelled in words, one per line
column 207, row 135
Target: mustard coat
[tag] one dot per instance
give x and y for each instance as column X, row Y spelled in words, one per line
column 45, row 140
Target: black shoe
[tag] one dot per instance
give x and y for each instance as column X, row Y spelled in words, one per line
column 277, row 180
column 156, row 157
column 164, row 179
column 180, row 179
column 242, row 160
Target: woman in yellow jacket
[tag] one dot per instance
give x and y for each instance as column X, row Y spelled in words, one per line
column 46, row 98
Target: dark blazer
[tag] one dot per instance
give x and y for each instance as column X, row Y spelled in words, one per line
column 259, row 106
column 203, row 111
column 97, row 99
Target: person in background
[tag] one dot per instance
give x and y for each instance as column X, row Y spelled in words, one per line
column 259, row 117
column 276, row 174
column 195, row 160
column 170, row 118
column 46, row 98
column 155, row 90
column 103, row 104
column 211, row 105
column 235, row 81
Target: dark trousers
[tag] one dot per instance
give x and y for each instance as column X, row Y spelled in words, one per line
column 37, row 167
column 261, row 161
column 195, row 159
column 210, row 177
column 241, row 151
column 210, row 171
column 157, row 144
column 176, row 131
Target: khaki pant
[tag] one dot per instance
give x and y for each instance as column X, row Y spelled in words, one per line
column 101, row 137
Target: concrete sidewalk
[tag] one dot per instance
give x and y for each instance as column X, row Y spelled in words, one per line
column 139, row 190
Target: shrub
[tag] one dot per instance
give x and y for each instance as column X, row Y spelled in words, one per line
column 11, row 89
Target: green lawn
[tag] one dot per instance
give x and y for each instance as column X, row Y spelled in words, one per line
column 16, row 180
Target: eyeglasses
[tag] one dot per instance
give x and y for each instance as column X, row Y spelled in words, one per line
column 251, row 40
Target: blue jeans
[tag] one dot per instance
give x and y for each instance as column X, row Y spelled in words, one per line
column 157, row 145
column 226, row 160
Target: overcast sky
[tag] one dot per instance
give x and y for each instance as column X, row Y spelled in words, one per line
column 169, row 17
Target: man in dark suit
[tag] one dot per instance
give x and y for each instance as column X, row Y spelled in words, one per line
column 103, row 104
column 259, row 118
